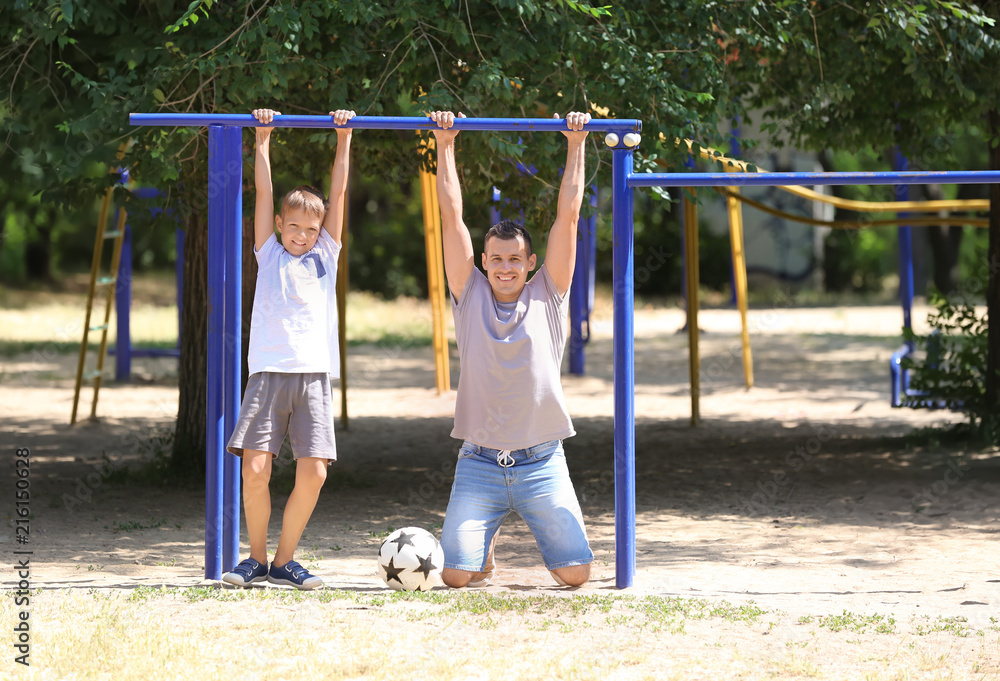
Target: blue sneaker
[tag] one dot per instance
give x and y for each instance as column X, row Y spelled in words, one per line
column 246, row 573
column 293, row 574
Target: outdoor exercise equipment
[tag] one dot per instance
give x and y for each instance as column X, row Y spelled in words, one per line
column 225, row 213
column 734, row 199
column 108, row 282
column 123, row 350
column 224, row 284
column 436, row 290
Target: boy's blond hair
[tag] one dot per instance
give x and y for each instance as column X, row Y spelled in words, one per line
column 305, row 198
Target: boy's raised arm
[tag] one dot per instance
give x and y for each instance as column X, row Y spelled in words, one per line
column 458, row 253
column 263, row 216
column 560, row 253
column 333, row 223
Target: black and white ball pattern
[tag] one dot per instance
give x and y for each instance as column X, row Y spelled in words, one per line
column 410, row 559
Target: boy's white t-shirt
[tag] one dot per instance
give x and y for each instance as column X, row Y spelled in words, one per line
column 293, row 329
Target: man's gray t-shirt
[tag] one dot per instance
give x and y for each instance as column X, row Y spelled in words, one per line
column 509, row 390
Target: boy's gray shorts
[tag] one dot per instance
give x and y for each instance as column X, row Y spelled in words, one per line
column 274, row 404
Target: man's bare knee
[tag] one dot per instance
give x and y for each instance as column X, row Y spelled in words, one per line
column 455, row 578
column 574, row 575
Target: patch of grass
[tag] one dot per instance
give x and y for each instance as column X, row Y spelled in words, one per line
column 957, row 626
column 850, row 621
column 395, row 340
column 401, row 323
column 47, row 348
column 748, row 613
column 381, row 534
column 311, row 556
column 658, row 611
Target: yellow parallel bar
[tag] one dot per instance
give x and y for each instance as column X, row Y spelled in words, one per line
column 429, row 193
column 849, row 204
column 109, row 302
column 926, row 221
column 435, row 276
column 740, row 276
column 439, row 304
column 343, row 282
column 95, row 265
column 693, row 277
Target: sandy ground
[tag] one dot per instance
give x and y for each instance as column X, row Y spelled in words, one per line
column 807, row 494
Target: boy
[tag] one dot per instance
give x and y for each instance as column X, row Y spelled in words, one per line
column 293, row 355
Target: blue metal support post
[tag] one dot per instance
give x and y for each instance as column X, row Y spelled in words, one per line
column 899, row 378
column 123, row 308
column 232, row 367
column 214, row 426
column 624, row 366
column 581, row 291
column 905, row 232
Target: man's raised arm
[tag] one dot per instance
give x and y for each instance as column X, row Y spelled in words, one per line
column 458, row 253
column 560, row 253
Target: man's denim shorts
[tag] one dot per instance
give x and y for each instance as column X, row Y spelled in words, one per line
column 490, row 483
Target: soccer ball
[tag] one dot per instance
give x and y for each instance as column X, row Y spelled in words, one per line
column 410, row 559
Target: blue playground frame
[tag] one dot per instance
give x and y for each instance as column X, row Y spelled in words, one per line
column 123, row 349
column 225, row 162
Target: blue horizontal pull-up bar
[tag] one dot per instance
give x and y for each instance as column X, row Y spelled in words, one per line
column 384, row 122
column 787, row 179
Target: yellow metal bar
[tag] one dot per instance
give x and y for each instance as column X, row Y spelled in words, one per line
column 342, row 285
column 109, row 302
column 438, row 301
column 693, row 277
column 740, row 280
column 734, row 165
column 427, row 195
column 95, row 265
column 857, row 224
column 435, row 276
column 440, row 293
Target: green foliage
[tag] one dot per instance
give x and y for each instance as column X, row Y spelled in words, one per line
column 682, row 67
column 654, row 60
column 951, row 370
column 844, row 75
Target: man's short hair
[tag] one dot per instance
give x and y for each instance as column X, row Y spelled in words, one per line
column 305, row 198
column 508, row 229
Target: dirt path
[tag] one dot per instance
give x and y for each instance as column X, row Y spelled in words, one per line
column 801, row 494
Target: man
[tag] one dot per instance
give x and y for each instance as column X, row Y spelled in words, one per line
column 511, row 413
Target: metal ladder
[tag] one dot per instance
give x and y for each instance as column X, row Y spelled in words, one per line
column 109, row 282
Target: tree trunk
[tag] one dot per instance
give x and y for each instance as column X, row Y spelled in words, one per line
column 993, row 261
column 188, row 460
column 945, row 242
column 38, row 253
column 839, row 243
